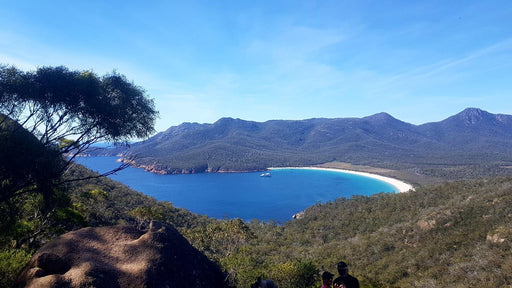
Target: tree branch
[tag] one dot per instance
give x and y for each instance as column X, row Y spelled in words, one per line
column 121, row 167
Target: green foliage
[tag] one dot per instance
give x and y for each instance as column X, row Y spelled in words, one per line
column 26, row 165
column 26, row 222
column 221, row 238
column 55, row 103
column 144, row 215
column 12, row 262
column 244, row 267
column 102, row 202
column 296, row 274
column 67, row 144
column 98, row 194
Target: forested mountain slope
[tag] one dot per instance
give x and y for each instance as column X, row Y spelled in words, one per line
column 471, row 137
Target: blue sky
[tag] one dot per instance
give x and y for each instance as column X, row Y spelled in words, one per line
column 420, row 61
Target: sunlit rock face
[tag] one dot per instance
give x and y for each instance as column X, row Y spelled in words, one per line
column 121, row 256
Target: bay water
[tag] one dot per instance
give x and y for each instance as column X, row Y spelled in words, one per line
column 243, row 195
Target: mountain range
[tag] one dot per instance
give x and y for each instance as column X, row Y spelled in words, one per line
column 470, row 137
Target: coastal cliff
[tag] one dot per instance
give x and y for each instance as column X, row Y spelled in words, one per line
column 163, row 170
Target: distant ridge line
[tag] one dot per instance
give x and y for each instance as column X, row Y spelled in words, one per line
column 471, row 137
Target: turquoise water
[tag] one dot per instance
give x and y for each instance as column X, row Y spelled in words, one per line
column 243, row 195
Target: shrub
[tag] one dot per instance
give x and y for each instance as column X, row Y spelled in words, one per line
column 12, row 262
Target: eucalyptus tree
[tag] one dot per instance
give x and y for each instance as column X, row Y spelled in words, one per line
column 68, row 111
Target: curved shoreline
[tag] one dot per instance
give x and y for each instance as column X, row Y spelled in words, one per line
column 401, row 186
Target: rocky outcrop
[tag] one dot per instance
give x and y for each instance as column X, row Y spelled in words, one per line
column 299, row 215
column 121, row 256
column 153, row 168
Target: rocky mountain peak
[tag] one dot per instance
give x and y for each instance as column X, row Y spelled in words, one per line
column 380, row 116
column 472, row 116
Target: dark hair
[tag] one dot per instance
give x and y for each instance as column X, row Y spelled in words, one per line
column 263, row 284
column 327, row 275
column 342, row 267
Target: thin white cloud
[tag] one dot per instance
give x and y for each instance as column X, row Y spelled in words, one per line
column 18, row 62
column 443, row 70
column 28, row 54
column 293, row 42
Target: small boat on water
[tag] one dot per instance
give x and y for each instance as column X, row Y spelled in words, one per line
column 265, row 174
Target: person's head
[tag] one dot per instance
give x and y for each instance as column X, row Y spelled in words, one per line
column 327, row 278
column 263, row 283
column 342, row 268
column 257, row 283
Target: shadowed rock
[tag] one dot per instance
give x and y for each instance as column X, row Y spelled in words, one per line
column 121, row 256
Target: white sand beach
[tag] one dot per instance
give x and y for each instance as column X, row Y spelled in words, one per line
column 399, row 185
